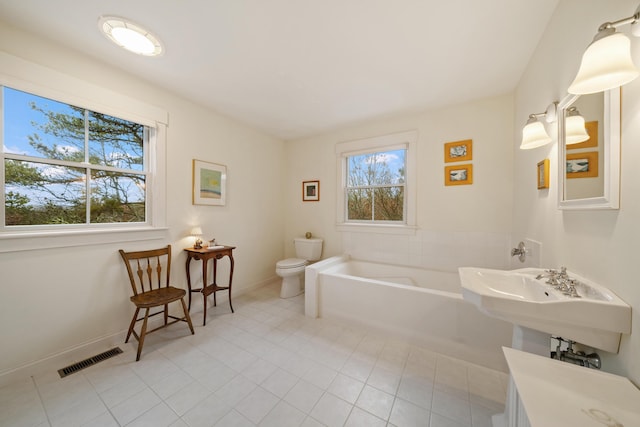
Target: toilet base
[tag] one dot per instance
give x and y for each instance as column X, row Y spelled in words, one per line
column 291, row 286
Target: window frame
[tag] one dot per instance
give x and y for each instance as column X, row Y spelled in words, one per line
column 70, row 90
column 87, row 166
column 403, row 140
column 373, row 187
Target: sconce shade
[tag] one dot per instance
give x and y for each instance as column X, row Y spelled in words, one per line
column 575, row 130
column 534, row 135
column 606, row 64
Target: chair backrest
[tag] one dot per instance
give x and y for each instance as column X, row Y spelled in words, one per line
column 145, row 268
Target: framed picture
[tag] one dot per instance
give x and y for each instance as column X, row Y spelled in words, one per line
column 458, row 151
column 209, row 183
column 592, row 130
column 310, row 191
column 582, row 165
column 458, row 174
column 543, row 174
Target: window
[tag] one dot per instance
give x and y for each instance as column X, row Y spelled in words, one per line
column 375, row 186
column 376, row 183
column 70, row 166
column 96, row 227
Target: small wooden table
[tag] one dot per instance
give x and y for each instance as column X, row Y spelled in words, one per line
column 204, row 255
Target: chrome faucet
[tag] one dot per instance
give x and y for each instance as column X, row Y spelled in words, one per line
column 561, row 281
column 563, row 274
column 568, row 287
column 520, row 252
column 552, row 276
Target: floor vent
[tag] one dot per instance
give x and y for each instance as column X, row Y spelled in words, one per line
column 89, row 362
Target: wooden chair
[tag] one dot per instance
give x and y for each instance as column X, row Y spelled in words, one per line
column 151, row 289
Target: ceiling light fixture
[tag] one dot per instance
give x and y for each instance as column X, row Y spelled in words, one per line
column 607, row 63
column 575, row 130
column 534, row 134
column 130, row 36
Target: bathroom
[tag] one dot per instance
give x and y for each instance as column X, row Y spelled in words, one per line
column 456, row 226
column 480, row 223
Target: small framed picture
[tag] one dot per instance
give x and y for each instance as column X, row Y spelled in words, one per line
column 458, row 151
column 458, row 174
column 582, row 165
column 310, row 191
column 543, row 174
column 209, row 183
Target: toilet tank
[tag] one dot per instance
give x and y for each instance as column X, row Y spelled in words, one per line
column 309, row 249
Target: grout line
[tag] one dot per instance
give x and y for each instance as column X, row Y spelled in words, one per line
column 44, row 408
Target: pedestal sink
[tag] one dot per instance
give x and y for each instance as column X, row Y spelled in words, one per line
column 596, row 318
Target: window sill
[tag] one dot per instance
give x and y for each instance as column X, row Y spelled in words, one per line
column 406, row 230
column 25, row 241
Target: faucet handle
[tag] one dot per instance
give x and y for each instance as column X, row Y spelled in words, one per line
column 563, row 272
column 571, row 289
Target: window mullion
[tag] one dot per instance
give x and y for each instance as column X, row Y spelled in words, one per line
column 88, row 195
column 373, row 204
column 87, row 180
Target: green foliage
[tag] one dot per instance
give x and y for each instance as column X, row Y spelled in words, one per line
column 45, row 193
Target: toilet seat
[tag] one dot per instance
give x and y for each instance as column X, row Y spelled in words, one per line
column 291, row 263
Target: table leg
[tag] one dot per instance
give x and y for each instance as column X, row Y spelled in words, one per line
column 204, row 286
column 215, row 282
column 189, row 279
column 230, row 280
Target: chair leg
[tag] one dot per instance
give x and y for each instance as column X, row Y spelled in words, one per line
column 143, row 332
column 166, row 314
column 133, row 322
column 186, row 315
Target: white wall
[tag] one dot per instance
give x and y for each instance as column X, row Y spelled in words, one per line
column 54, row 300
column 601, row 245
column 458, row 225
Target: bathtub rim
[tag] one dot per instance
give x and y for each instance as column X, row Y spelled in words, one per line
column 312, row 272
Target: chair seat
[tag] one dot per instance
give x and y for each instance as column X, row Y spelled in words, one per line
column 158, row 297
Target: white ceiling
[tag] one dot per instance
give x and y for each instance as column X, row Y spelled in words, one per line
column 294, row 68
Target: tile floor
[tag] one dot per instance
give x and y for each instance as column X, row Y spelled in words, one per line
column 265, row 365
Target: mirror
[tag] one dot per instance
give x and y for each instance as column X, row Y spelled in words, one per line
column 589, row 171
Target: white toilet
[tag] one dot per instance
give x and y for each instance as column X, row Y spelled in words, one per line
column 292, row 269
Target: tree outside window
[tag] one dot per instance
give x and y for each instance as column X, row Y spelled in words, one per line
column 376, row 186
column 68, row 165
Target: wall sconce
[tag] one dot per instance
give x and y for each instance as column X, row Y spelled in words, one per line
column 575, row 130
column 607, row 64
column 197, row 233
column 534, row 134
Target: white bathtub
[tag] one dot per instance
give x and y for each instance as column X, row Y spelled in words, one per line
column 424, row 306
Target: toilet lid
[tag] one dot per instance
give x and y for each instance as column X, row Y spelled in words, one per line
column 291, row 263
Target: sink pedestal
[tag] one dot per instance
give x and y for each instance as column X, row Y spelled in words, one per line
column 531, row 341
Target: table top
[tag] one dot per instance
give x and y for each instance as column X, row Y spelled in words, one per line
column 561, row 394
column 210, row 249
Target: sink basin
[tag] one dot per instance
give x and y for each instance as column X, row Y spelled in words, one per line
column 597, row 318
